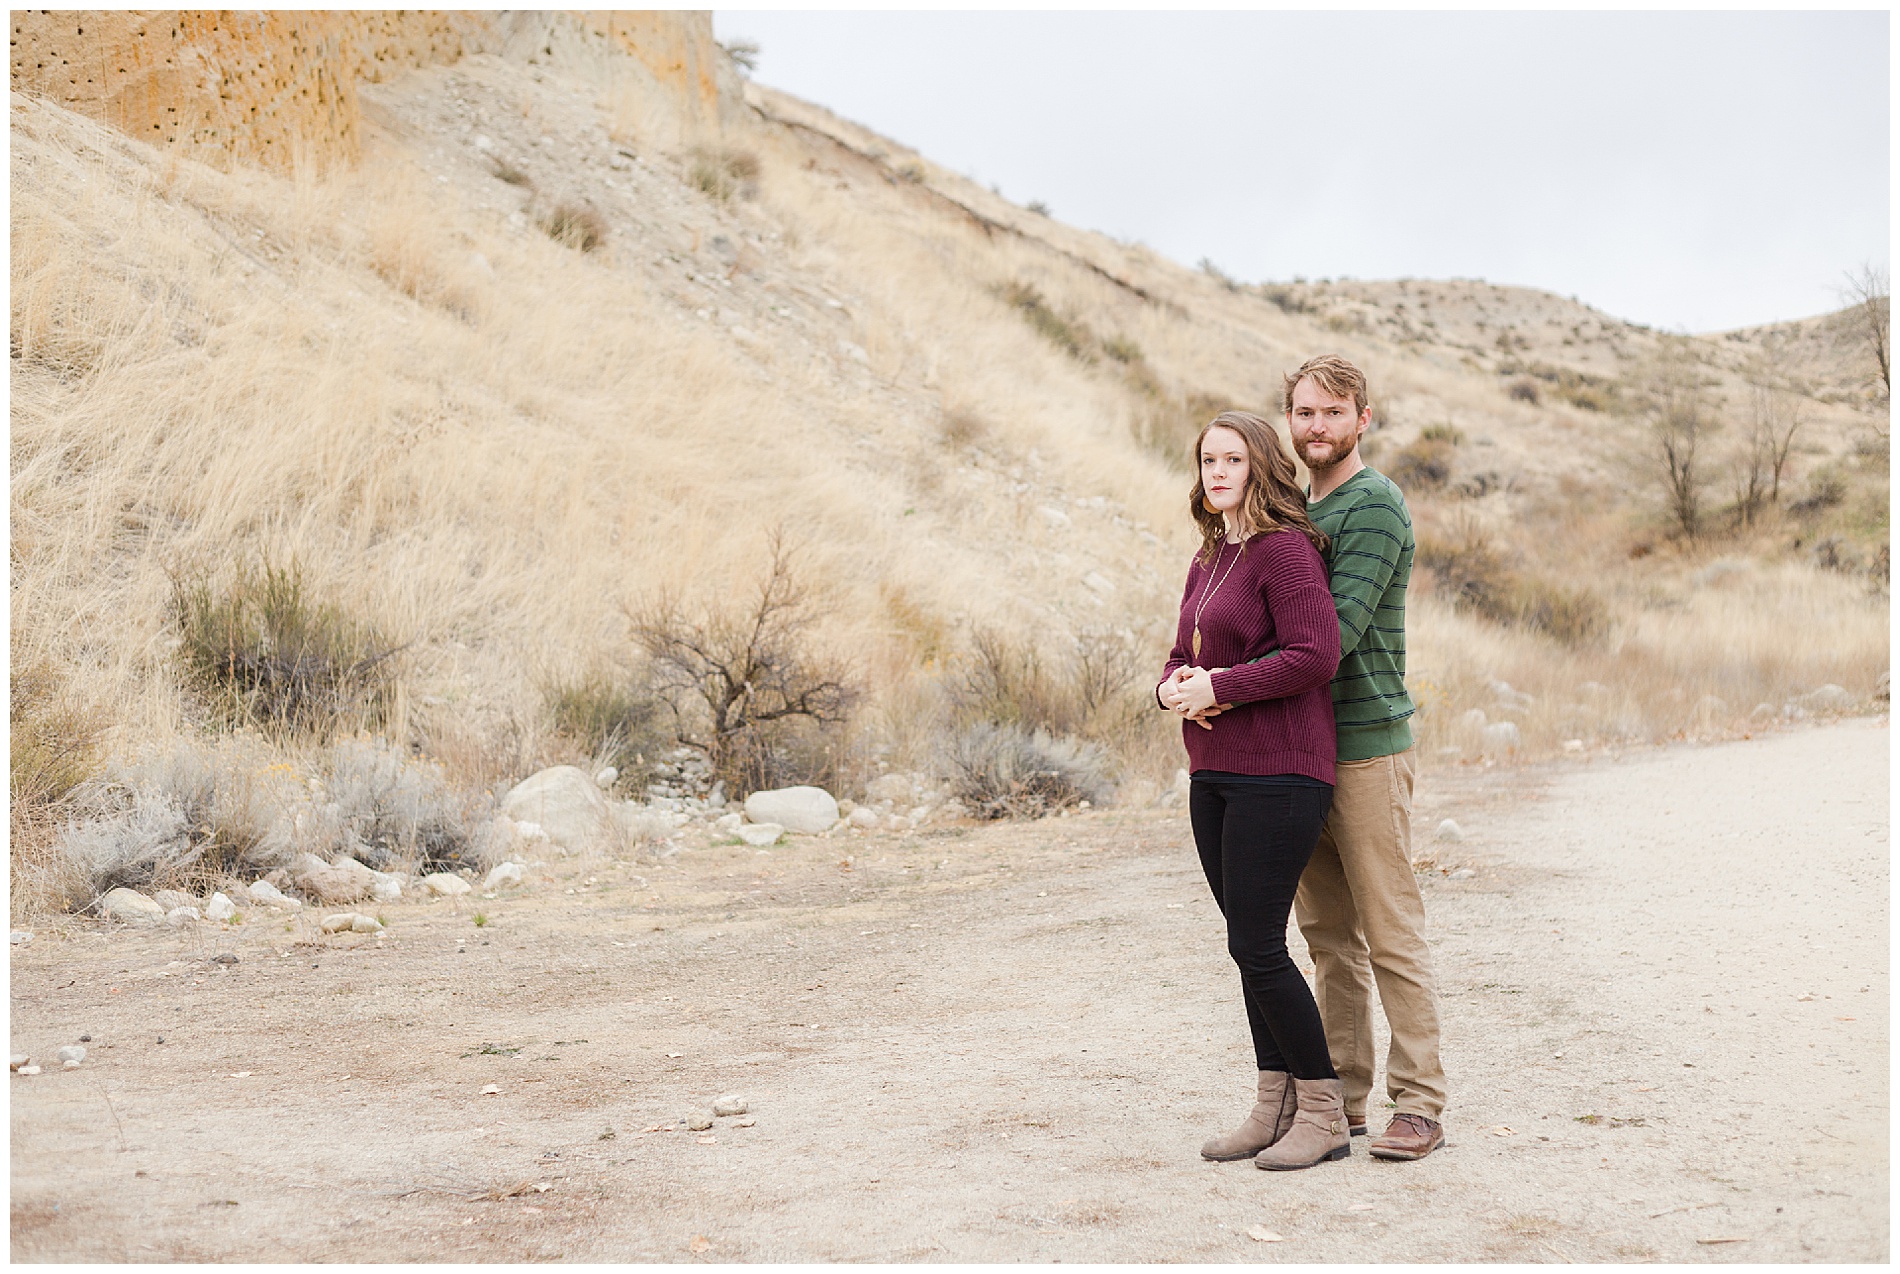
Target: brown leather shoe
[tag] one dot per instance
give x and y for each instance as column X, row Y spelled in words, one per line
column 1356, row 1126
column 1408, row 1137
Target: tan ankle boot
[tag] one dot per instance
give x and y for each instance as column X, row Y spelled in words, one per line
column 1271, row 1116
column 1318, row 1132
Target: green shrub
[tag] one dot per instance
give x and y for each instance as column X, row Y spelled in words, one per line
column 262, row 652
column 1443, row 432
column 615, row 719
column 1425, row 464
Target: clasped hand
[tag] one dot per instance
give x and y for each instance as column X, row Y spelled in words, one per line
column 1189, row 692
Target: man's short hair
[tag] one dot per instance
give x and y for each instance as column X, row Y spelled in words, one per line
column 1334, row 375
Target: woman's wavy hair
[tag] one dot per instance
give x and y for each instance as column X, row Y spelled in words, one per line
column 1273, row 500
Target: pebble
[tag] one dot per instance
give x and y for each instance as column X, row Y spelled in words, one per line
column 1449, row 830
column 27, row 1070
column 72, row 1054
column 864, row 816
column 387, row 887
column 747, row 1122
column 503, row 874
column 491, row 1090
column 699, row 1122
column 18, row 1060
column 262, row 891
column 1463, row 873
column 220, row 908
column 605, row 779
column 130, row 907
column 351, row 922
column 445, row 884
column 759, row 835
column 730, row 1104
column 729, row 823
column 224, row 957
column 181, row 916
column 20, row 937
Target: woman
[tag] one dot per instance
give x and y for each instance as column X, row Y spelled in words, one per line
column 1250, row 673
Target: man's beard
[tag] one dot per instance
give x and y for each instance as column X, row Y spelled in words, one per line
column 1337, row 457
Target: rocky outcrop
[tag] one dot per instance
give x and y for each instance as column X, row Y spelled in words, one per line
column 278, row 87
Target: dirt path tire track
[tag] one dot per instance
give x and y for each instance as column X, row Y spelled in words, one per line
column 1006, row 1046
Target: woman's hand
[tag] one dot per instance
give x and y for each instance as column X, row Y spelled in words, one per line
column 1189, row 692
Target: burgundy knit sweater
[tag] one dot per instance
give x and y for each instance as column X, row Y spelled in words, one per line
column 1269, row 594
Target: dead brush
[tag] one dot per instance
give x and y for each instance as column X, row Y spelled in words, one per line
column 724, row 174
column 614, row 719
column 53, row 749
column 576, row 226
column 261, row 651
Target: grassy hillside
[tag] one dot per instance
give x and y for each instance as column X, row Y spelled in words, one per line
column 523, row 373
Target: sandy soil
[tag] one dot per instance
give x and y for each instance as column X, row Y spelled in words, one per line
column 1665, row 999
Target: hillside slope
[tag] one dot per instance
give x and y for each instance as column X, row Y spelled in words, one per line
column 407, row 376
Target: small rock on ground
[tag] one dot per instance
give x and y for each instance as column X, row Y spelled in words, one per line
column 446, row 884
column 72, row 1053
column 220, row 908
column 130, row 906
column 181, row 916
column 730, row 1104
column 802, row 809
column 1449, row 830
column 700, row 1121
column 502, row 875
column 760, row 834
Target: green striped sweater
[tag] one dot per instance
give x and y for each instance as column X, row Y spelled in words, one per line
column 1371, row 563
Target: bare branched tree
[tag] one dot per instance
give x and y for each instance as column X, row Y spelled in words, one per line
column 730, row 674
column 1868, row 317
column 1674, row 392
column 1775, row 417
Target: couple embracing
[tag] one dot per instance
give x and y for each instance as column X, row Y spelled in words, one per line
column 1288, row 671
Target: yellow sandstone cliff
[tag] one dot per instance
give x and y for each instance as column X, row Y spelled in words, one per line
column 279, row 87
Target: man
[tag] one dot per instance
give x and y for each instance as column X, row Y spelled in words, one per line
column 1358, row 903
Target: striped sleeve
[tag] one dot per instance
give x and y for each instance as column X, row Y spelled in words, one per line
column 1365, row 553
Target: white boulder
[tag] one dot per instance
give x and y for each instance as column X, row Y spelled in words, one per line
column 502, row 876
column 351, row 922
column 564, row 801
column 445, row 884
column 181, row 916
column 1501, row 737
column 796, row 809
column 269, row 895
column 760, row 835
column 220, row 908
column 386, row 886
column 864, row 816
column 131, row 907
column 1448, row 830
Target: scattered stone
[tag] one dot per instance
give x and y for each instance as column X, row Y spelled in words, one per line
column 729, row 824
column 1261, row 1234
column 891, row 788
column 446, row 884
column 1827, row 698
column 491, row 1090
column 27, row 1070
column 502, row 875
column 269, row 895
column 18, row 1060
column 1449, row 830
column 803, row 809
column 730, row 1104
column 332, row 885
column 564, row 802
column 72, row 1054
column 170, row 899
column 747, row 1122
column 220, row 908
column 1501, row 737
column 1463, row 873
column 366, row 924
column 182, row 916
column 699, row 1121
column 759, row 835
column 606, row 778
column 130, row 907
column 20, row 937
column 1573, row 745
column 386, row 887
column 864, row 816
column 307, row 863
column 224, row 957
column 351, row 922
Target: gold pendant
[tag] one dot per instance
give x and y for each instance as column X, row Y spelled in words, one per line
column 1197, row 641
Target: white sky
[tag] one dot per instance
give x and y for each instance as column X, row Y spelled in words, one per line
column 1687, row 170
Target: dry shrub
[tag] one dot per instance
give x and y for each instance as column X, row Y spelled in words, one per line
column 1472, row 573
column 1007, row 771
column 1167, row 425
column 722, row 174
column 410, row 259
column 1426, row 463
column 506, row 170
column 53, row 748
column 260, row 651
column 576, row 226
column 1071, row 336
column 744, row 684
column 386, row 808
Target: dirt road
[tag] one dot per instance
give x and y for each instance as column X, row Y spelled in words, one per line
column 1665, row 1003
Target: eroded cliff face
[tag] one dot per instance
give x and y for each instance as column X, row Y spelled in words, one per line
column 279, row 87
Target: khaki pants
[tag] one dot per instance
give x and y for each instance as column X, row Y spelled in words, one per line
column 1363, row 919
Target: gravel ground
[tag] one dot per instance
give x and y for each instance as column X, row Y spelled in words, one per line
column 1665, row 1000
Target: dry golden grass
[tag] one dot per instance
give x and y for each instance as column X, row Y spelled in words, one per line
column 488, row 444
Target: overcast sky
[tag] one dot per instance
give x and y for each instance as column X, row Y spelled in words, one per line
column 1687, row 170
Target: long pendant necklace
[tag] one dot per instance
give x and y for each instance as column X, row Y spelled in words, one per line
column 1208, row 592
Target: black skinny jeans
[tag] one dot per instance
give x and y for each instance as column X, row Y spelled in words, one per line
column 1254, row 838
